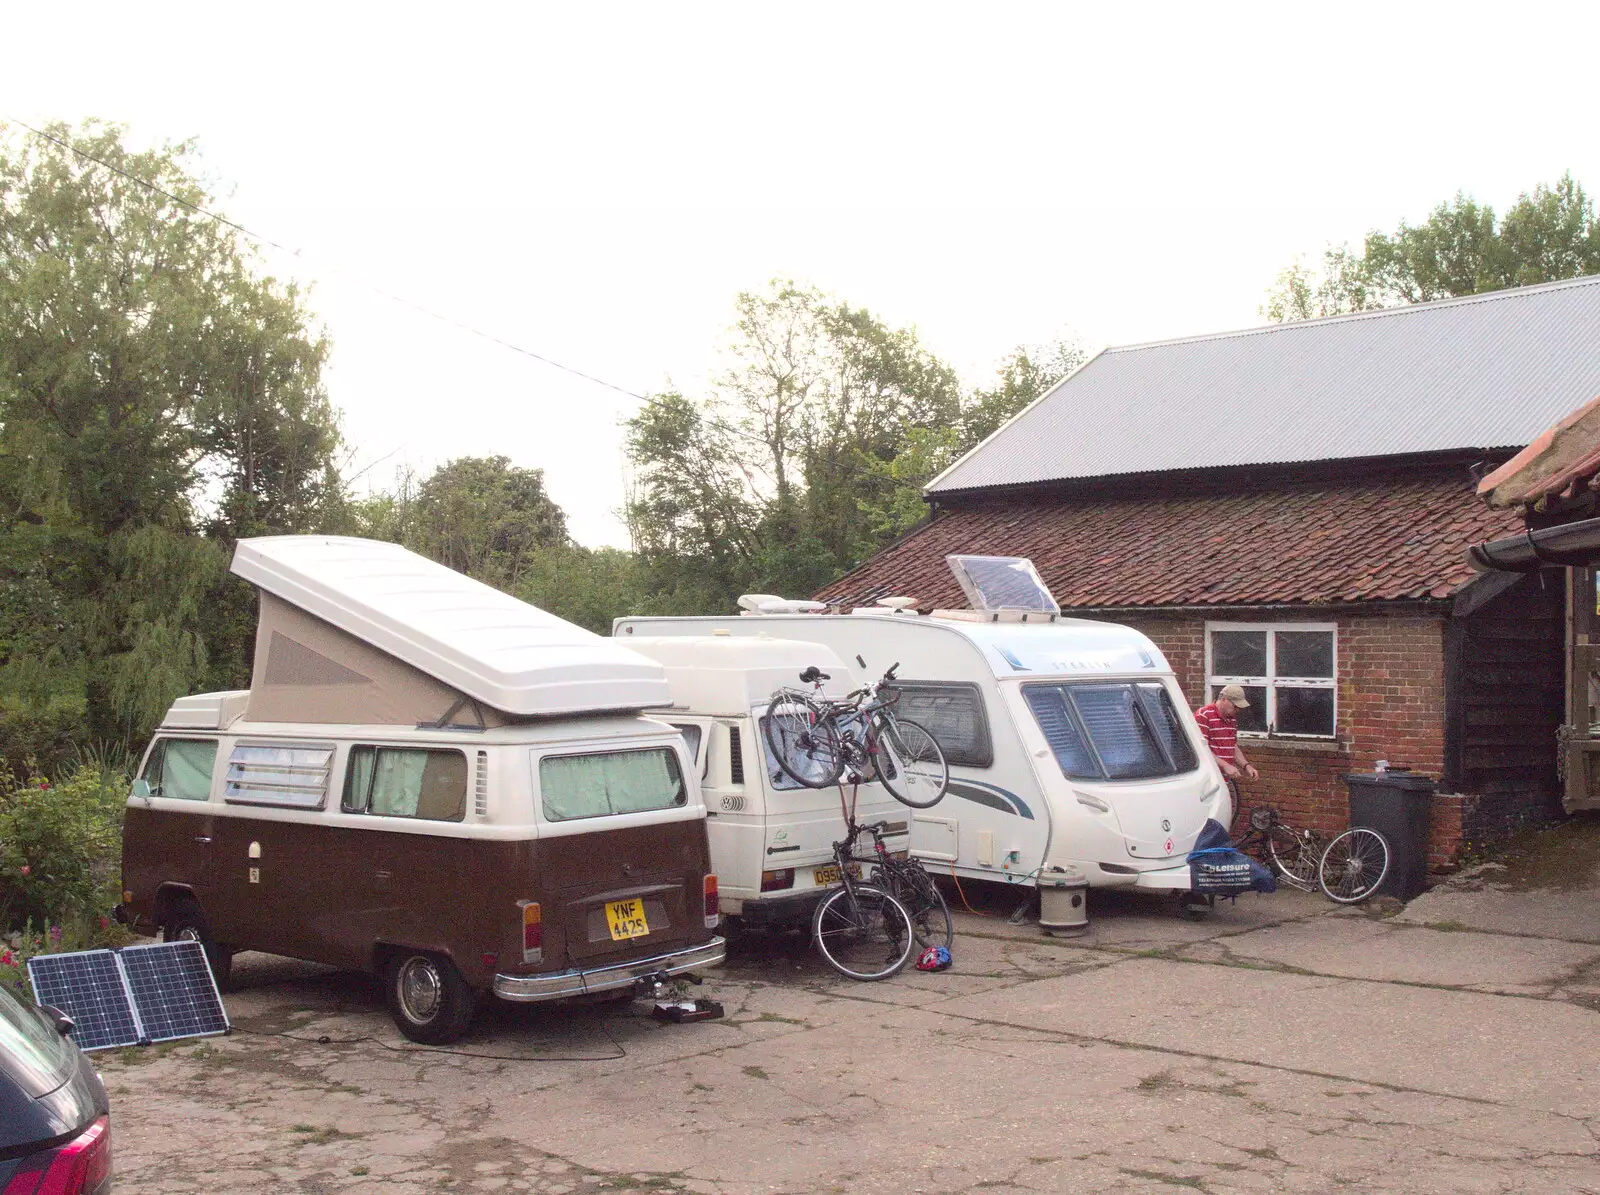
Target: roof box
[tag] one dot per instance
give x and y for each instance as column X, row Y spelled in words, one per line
column 484, row 644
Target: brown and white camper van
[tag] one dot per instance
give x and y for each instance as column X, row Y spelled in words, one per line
column 431, row 780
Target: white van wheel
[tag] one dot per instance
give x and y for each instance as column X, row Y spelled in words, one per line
column 427, row 997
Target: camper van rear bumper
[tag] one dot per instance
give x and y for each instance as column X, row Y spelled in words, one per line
column 602, row 979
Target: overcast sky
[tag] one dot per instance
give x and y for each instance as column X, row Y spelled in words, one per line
column 597, row 182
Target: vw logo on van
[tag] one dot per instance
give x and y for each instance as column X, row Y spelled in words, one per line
column 1166, row 823
column 733, row 804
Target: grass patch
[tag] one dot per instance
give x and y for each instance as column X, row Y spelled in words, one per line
column 755, row 1072
column 1193, row 1181
column 1560, row 857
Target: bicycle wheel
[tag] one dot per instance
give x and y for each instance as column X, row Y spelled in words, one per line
column 863, row 932
column 1296, row 854
column 1354, row 865
column 911, row 765
column 803, row 742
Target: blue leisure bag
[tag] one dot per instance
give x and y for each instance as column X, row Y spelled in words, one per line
column 1216, row 868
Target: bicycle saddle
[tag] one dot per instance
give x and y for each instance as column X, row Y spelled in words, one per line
column 813, row 674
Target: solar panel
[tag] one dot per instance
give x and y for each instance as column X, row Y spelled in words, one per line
column 173, row 990
column 88, row 987
column 133, row 996
column 1002, row 583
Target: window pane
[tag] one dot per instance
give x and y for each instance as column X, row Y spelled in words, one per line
column 1049, row 705
column 182, row 768
column 1254, row 717
column 1120, row 731
column 1305, row 653
column 691, row 736
column 260, row 774
column 953, row 715
column 1238, row 653
column 1304, row 711
column 358, row 778
column 574, row 786
column 1169, row 729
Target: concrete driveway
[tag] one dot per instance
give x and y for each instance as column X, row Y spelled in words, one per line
column 1282, row 1044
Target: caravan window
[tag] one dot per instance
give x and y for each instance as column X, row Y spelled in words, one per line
column 953, row 714
column 406, row 782
column 1112, row 731
column 181, row 768
column 575, row 786
column 288, row 774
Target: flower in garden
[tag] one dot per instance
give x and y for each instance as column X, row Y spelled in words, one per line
column 55, row 933
column 26, row 869
column 7, row 958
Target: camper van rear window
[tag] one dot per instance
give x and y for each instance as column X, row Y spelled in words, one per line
column 406, row 782
column 1112, row 730
column 602, row 785
column 278, row 774
column 953, row 714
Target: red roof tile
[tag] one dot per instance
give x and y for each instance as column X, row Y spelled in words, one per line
column 1562, row 462
column 1322, row 542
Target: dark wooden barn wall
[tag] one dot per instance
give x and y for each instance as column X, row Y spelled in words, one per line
column 1505, row 692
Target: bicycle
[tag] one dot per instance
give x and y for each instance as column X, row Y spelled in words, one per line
column 909, row 882
column 1296, row 855
column 861, row 930
column 814, row 740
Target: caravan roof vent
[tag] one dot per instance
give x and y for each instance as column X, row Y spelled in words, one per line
column 899, row 604
column 479, row 641
column 1002, row 583
column 751, row 603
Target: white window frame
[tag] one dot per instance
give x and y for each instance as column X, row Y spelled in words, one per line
column 1271, row 682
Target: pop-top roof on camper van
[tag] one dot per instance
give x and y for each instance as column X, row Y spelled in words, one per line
column 730, row 676
column 483, row 643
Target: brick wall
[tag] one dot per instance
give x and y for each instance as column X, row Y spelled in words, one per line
column 1391, row 705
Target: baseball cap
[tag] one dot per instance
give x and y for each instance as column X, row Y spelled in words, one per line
column 1235, row 694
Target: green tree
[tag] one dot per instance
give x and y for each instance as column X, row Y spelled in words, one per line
column 485, row 517
column 1462, row 248
column 778, row 478
column 158, row 396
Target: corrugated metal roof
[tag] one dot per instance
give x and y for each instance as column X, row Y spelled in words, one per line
column 1486, row 371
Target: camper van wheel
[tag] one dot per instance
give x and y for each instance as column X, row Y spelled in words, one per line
column 186, row 923
column 428, row 999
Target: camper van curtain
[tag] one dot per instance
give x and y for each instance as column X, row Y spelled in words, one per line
column 397, row 783
column 407, row 782
column 1112, row 731
column 575, row 786
column 184, row 768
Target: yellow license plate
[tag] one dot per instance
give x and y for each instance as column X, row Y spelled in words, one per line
column 823, row 876
column 626, row 919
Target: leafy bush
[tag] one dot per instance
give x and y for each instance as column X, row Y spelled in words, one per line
column 60, row 847
column 41, row 740
column 81, row 933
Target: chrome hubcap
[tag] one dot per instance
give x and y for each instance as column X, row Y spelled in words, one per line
column 421, row 990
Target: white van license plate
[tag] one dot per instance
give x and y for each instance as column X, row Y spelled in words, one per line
column 626, row 919
column 823, row 876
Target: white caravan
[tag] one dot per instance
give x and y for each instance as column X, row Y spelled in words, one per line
column 1069, row 741
column 771, row 838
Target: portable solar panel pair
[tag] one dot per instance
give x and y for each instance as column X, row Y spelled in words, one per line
column 134, row 996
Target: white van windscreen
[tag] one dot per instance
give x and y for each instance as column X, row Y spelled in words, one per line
column 1112, row 730
column 609, row 783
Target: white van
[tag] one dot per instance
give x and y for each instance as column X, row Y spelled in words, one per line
column 1069, row 741
column 771, row 838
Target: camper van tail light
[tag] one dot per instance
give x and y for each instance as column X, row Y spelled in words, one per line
column 713, row 911
column 532, row 931
column 777, row 881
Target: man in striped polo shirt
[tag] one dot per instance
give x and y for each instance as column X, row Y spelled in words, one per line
column 1219, row 723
